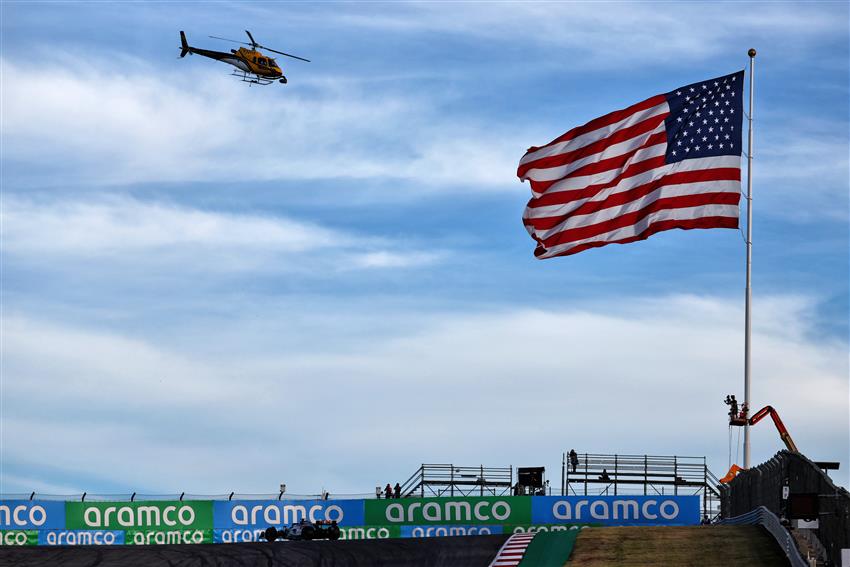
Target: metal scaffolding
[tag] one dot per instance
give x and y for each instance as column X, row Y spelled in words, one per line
column 453, row 480
column 640, row 474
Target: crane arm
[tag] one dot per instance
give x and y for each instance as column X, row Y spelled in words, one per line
column 783, row 432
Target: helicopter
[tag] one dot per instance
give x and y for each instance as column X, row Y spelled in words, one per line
column 253, row 67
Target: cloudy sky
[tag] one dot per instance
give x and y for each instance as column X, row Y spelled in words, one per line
column 210, row 287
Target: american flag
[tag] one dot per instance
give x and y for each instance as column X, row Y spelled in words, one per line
column 671, row 161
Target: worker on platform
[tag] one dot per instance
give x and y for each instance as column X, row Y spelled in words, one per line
column 388, row 491
column 733, row 406
column 397, row 490
column 574, row 459
column 604, row 476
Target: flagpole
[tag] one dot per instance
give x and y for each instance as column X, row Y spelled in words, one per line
column 749, row 291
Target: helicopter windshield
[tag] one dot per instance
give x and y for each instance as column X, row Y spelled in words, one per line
column 272, row 63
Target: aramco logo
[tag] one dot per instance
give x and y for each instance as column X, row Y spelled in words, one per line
column 615, row 510
column 449, row 511
column 275, row 515
column 22, row 515
column 141, row 516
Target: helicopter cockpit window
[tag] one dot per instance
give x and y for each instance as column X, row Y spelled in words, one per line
column 254, row 59
column 262, row 61
column 272, row 63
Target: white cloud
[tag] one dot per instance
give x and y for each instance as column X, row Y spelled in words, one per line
column 803, row 170
column 133, row 232
column 141, row 126
column 513, row 387
column 612, row 34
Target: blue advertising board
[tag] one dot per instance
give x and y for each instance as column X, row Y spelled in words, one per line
column 260, row 514
column 31, row 515
column 617, row 510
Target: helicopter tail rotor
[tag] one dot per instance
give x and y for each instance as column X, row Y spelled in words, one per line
column 184, row 45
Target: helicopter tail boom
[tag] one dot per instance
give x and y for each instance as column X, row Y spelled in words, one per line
column 184, row 45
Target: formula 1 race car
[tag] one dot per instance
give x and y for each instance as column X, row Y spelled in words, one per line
column 305, row 530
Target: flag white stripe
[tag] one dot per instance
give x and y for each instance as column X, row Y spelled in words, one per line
column 678, row 190
column 590, row 137
column 688, row 213
column 614, row 150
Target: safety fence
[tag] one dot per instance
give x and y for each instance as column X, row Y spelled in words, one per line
column 764, row 517
column 50, row 522
column 132, row 497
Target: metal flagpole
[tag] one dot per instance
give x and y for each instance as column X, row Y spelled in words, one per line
column 749, row 291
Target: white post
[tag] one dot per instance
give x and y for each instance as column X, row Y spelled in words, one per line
column 749, row 291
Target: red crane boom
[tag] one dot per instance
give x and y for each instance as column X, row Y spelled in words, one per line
column 741, row 420
column 783, row 432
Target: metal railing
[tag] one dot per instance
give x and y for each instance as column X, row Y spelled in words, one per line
column 139, row 497
column 764, row 517
column 454, row 480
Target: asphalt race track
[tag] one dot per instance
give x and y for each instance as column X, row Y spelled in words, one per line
column 469, row 551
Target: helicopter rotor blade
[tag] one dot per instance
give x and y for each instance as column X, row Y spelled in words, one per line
column 282, row 53
column 226, row 39
column 253, row 41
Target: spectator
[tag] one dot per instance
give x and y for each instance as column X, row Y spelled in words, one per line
column 574, row 459
column 397, row 491
column 604, row 476
column 388, row 491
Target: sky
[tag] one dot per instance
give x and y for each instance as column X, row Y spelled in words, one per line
column 212, row 287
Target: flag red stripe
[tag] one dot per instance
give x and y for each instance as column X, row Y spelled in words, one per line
column 660, row 226
column 602, row 121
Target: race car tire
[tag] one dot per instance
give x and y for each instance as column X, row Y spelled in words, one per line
column 333, row 533
column 270, row 534
column 308, row 532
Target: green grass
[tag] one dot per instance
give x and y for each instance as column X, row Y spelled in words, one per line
column 698, row 546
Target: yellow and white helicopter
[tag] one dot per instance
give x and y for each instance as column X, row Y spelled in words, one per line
column 253, row 66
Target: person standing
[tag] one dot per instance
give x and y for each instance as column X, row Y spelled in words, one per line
column 573, row 459
column 388, row 491
column 397, row 490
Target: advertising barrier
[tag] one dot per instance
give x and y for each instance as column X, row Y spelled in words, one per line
column 153, row 515
column 55, row 523
column 616, row 510
column 29, row 514
column 247, row 514
column 464, row 510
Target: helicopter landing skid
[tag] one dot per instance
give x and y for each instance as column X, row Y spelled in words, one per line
column 251, row 80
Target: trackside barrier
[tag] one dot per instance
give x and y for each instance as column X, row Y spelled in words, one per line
column 147, row 522
column 761, row 516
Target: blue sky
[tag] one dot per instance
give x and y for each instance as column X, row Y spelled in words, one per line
column 196, row 272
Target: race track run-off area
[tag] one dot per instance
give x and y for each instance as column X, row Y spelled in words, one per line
column 704, row 546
